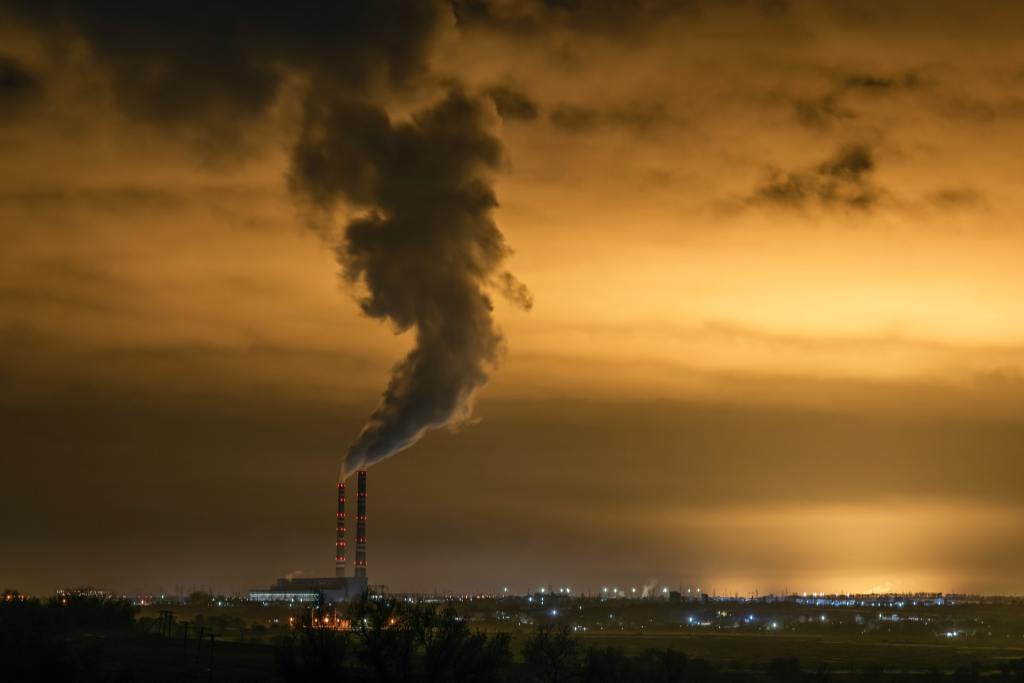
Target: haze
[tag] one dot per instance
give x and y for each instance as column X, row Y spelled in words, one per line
column 776, row 342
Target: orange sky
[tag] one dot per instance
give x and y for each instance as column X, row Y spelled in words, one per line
column 733, row 372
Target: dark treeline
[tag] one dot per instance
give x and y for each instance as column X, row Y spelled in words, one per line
column 390, row 641
column 44, row 640
column 76, row 638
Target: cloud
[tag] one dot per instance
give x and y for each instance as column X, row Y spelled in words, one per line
column 512, row 104
column 821, row 112
column 113, row 199
column 209, row 70
column 842, row 180
column 636, row 117
column 574, row 119
column 956, row 197
column 18, row 85
column 869, row 82
column 611, row 18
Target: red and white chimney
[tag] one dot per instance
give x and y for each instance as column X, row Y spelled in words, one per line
column 361, row 525
column 339, row 544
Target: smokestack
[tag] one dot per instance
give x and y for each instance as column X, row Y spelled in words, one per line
column 361, row 525
column 339, row 545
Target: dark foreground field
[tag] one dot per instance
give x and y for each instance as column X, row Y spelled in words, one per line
column 390, row 640
column 842, row 654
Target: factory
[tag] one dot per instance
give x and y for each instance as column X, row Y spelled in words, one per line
column 334, row 589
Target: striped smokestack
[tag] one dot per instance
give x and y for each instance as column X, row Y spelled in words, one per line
column 339, row 544
column 361, row 525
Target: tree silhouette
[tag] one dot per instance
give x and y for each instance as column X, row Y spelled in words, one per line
column 552, row 655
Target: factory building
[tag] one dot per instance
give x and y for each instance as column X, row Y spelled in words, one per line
column 337, row 588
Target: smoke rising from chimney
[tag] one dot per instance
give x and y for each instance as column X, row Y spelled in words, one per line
column 426, row 249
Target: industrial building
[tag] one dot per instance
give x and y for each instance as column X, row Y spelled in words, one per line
column 337, row 588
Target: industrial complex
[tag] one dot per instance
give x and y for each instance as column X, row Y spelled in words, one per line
column 334, row 589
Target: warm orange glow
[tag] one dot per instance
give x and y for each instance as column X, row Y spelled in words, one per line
column 750, row 360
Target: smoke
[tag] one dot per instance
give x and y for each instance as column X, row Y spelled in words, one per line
column 425, row 249
column 209, row 73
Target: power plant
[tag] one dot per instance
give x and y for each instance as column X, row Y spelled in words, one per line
column 338, row 588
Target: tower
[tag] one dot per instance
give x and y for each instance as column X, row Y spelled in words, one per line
column 339, row 544
column 361, row 525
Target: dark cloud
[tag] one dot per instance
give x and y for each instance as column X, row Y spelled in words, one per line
column 869, row 82
column 609, row 18
column 117, row 199
column 821, row 112
column 18, row 85
column 515, row 291
column 512, row 104
column 426, row 249
column 638, row 117
column 573, row 118
column 983, row 110
column 956, row 197
column 851, row 164
column 213, row 66
column 612, row 18
column 842, row 180
column 873, row 83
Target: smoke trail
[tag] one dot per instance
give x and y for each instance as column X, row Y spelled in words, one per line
column 426, row 249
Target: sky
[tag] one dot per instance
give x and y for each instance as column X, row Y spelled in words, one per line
column 734, row 289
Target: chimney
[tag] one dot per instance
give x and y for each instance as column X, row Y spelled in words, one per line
column 339, row 545
column 361, row 526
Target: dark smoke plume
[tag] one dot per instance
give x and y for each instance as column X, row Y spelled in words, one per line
column 426, row 249
column 210, row 69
